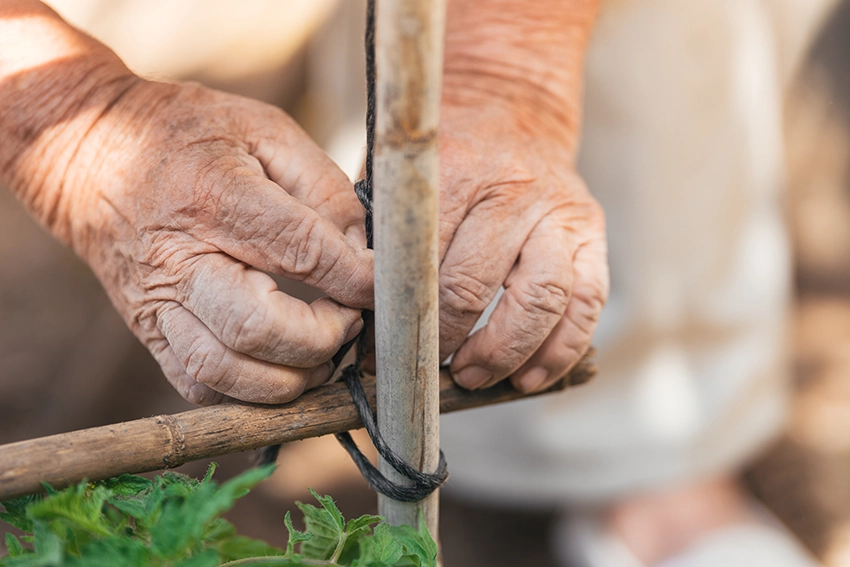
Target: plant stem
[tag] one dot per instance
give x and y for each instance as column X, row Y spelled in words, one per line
column 340, row 544
column 277, row 561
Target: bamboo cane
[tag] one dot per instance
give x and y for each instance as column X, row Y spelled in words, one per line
column 408, row 54
column 168, row 441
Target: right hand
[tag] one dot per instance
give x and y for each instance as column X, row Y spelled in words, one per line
column 180, row 198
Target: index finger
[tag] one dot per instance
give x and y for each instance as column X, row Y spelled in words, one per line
column 256, row 222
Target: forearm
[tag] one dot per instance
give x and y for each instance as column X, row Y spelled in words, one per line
column 54, row 84
column 525, row 56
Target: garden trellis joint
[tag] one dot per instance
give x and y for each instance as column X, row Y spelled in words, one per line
column 410, row 391
column 168, row 441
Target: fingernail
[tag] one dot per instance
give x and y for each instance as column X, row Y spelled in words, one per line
column 473, row 377
column 354, row 330
column 533, row 379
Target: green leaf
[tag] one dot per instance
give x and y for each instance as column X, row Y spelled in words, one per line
column 240, row 486
column 79, row 508
column 16, row 512
column 240, row 547
column 48, row 550
column 210, row 471
column 418, row 546
column 295, row 537
column 327, row 526
column 134, row 508
column 111, row 552
column 13, row 546
column 330, row 506
column 361, row 526
column 208, row 558
column 218, row 530
column 174, row 521
column 127, row 484
column 380, row 549
column 190, row 506
column 355, row 530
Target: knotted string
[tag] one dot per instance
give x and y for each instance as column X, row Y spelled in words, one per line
column 423, row 483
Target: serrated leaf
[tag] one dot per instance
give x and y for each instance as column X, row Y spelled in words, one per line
column 380, row 549
column 295, row 537
column 427, row 540
column 79, row 508
column 355, row 530
column 330, row 506
column 13, row 545
column 111, row 552
column 326, row 527
column 104, row 525
column 418, row 546
column 210, row 472
column 190, row 507
column 176, row 484
column 361, row 526
column 134, row 508
column 16, row 512
column 180, row 524
column 127, row 484
column 218, row 530
column 240, row 486
column 48, row 550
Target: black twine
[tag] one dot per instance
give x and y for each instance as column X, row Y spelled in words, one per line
column 423, row 483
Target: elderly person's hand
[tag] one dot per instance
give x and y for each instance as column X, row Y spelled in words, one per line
column 513, row 211
column 180, row 198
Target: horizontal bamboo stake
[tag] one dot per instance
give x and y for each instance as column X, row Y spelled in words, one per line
column 168, row 441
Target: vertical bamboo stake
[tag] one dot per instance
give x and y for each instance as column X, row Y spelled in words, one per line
column 409, row 56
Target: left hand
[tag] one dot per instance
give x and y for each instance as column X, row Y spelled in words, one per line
column 514, row 213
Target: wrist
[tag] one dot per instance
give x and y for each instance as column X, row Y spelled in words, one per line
column 523, row 58
column 55, row 83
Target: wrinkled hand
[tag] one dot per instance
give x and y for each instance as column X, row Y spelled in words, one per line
column 183, row 198
column 515, row 214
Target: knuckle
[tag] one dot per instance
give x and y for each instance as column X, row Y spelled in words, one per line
column 505, row 356
column 462, row 293
column 573, row 349
column 245, row 330
column 302, row 246
column 504, row 352
column 544, row 294
column 206, row 366
column 219, row 177
column 585, row 315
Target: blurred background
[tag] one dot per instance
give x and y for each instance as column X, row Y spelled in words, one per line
column 68, row 362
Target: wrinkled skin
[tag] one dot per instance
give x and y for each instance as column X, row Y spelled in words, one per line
column 180, row 198
column 183, row 197
column 219, row 184
column 513, row 210
column 514, row 213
